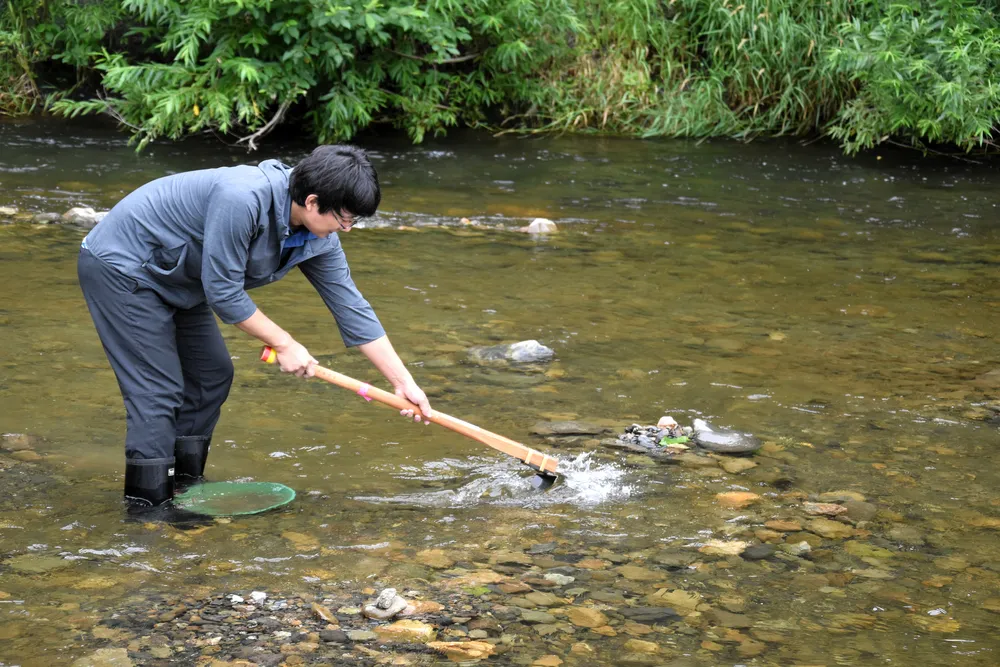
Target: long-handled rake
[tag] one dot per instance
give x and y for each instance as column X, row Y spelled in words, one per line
column 544, row 464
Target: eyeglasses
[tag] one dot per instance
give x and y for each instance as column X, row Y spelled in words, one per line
column 346, row 223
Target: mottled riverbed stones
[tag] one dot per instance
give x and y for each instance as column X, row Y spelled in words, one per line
column 637, row 573
column 511, row 558
column 737, row 499
column 840, row 496
column 735, row 466
column 586, row 617
column 641, row 646
column 105, row 657
column 908, row 535
column 759, row 552
column 784, row 525
column 435, row 558
column 37, row 564
column 533, row 616
column 823, row 509
column 723, row 547
column 460, row 651
column 407, row 630
column 858, row 510
column 727, row 619
column 683, row 601
column 830, row 529
column 542, row 599
column 675, row 559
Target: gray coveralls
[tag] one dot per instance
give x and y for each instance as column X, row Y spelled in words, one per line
column 170, row 254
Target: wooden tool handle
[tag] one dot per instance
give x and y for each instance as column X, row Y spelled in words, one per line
column 535, row 459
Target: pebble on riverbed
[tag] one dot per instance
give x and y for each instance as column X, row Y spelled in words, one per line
column 387, row 605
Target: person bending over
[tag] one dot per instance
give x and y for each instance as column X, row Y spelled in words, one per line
column 184, row 248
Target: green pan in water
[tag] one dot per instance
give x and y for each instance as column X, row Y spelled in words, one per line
column 234, row 498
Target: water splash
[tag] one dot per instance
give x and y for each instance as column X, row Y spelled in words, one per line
column 582, row 482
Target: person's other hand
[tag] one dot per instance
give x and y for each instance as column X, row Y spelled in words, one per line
column 414, row 394
column 294, row 358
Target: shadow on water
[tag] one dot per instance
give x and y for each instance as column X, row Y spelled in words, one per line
column 843, row 310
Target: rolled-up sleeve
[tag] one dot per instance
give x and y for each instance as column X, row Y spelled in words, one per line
column 329, row 274
column 229, row 225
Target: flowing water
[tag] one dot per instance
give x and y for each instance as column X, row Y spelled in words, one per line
column 844, row 310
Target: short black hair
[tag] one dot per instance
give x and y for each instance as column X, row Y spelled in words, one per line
column 341, row 176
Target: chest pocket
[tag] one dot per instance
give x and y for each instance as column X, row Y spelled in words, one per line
column 263, row 254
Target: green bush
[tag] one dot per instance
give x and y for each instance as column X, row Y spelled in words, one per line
column 860, row 71
column 238, row 66
column 927, row 72
column 37, row 33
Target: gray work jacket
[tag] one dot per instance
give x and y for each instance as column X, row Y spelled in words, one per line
column 211, row 235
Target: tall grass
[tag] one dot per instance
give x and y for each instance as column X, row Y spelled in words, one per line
column 702, row 68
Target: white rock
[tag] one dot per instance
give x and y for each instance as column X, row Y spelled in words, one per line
column 83, row 216
column 541, row 226
column 7, row 210
column 258, row 596
column 236, row 599
column 529, row 351
column 667, row 422
column 387, row 605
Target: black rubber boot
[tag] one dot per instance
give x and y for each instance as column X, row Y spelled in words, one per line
column 191, row 452
column 149, row 482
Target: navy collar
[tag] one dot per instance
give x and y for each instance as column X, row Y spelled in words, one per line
column 298, row 238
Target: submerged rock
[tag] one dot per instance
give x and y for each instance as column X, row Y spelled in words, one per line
column 723, row 440
column 407, row 631
column 650, row 615
column 523, row 352
column 37, row 564
column 46, row 218
column 105, row 657
column 568, row 428
column 16, row 442
column 460, row 651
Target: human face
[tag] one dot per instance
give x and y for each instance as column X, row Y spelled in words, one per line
column 322, row 224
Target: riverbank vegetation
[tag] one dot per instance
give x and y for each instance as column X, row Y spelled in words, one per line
column 862, row 72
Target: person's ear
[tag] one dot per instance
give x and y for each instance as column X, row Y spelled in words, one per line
column 312, row 203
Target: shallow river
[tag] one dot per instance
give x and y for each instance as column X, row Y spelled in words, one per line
column 845, row 311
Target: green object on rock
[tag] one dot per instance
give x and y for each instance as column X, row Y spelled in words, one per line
column 234, row 498
column 679, row 440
